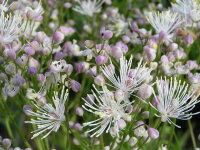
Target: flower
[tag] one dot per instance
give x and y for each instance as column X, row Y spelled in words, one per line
column 49, row 117
column 165, row 21
column 3, row 6
column 188, row 9
column 88, row 7
column 10, row 28
column 129, row 80
column 175, row 100
column 108, row 110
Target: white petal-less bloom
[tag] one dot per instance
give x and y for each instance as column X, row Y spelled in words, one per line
column 188, row 9
column 165, row 21
column 48, row 117
column 3, row 6
column 175, row 100
column 10, row 28
column 88, row 7
column 108, row 111
column 124, row 81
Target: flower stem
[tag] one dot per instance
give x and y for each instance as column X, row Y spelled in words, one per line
column 101, row 142
column 172, row 129
column 113, row 143
column 192, row 134
column 14, row 123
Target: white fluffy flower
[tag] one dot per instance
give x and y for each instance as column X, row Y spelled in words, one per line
column 174, row 100
column 165, row 21
column 126, row 81
column 10, row 28
column 3, row 6
column 49, row 117
column 109, row 111
column 188, row 9
column 88, row 7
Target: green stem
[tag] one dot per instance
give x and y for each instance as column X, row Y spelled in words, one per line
column 101, row 142
column 14, row 123
column 46, row 143
column 113, row 143
column 161, row 133
column 172, row 129
column 53, row 140
column 9, row 131
column 192, row 134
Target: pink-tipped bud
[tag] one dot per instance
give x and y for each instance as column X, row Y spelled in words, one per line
column 41, row 78
column 6, row 143
column 67, row 5
column 121, row 124
column 76, row 86
column 71, row 124
column 58, row 37
column 79, row 111
column 69, row 69
column 11, row 54
column 108, row 34
column 173, row 47
column 189, row 40
column 99, row 80
column 100, row 60
column 153, row 133
column 78, row 127
column 145, row 91
column 162, row 35
column 145, row 115
column 117, row 52
column 126, row 39
column 29, row 51
column 33, row 63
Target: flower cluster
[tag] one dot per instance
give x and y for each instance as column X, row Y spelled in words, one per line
column 98, row 74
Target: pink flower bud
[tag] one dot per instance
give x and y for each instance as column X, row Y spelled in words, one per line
column 117, row 52
column 99, row 80
column 58, row 56
column 189, row 40
column 145, row 91
column 89, row 43
column 145, row 115
column 33, row 63
column 32, row 71
column 155, row 101
column 78, row 127
column 153, row 133
column 71, row 124
column 58, row 37
column 162, row 35
column 108, row 34
column 121, row 124
column 100, row 60
column 11, row 54
column 126, row 39
column 134, row 27
column 35, row 45
column 173, row 47
column 82, row 67
column 79, row 111
column 67, row 5
column 69, row 69
column 6, row 143
column 76, row 86
column 29, row 50
column 41, row 78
